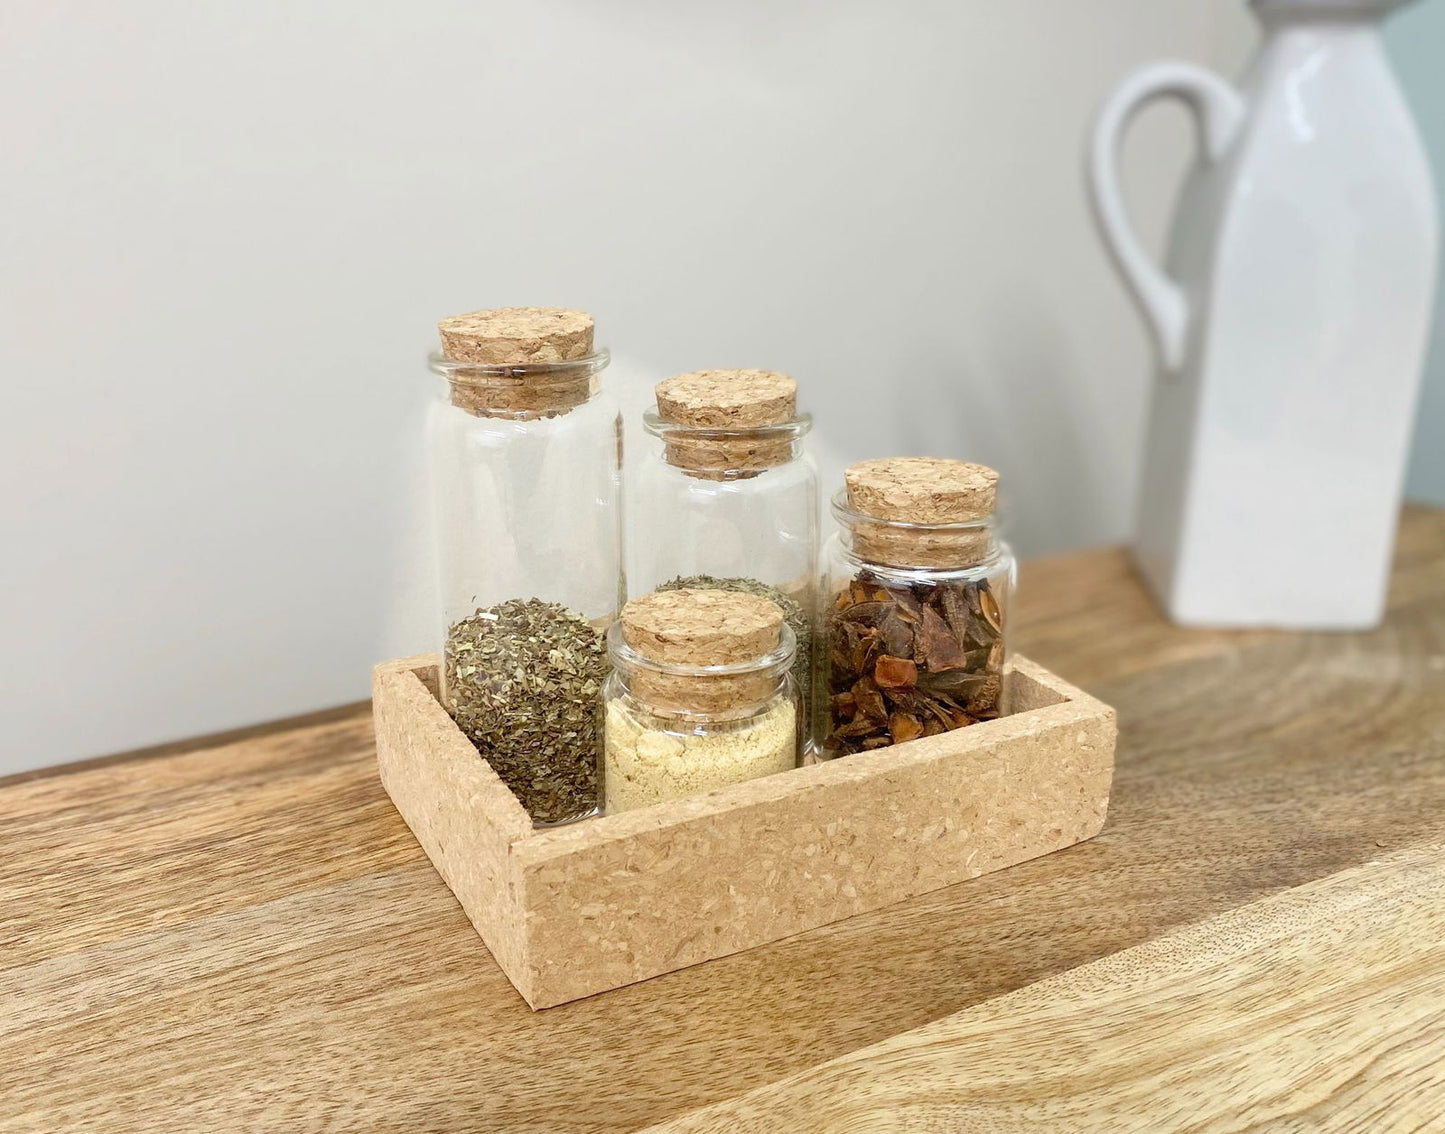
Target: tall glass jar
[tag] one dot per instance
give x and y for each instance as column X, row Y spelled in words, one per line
column 526, row 451
column 917, row 588
column 729, row 499
column 701, row 696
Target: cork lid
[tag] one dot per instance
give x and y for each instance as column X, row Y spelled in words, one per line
column 533, row 346
column 695, row 628
column 731, row 402
column 728, row 399
column 923, row 491
column 702, row 627
column 517, row 335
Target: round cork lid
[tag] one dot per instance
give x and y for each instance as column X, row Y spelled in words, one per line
column 701, row 627
column 517, row 336
column 922, row 490
column 728, row 399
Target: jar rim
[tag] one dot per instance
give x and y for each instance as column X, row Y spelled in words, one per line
column 779, row 659
column 895, row 573
column 536, row 374
column 790, row 430
column 939, row 564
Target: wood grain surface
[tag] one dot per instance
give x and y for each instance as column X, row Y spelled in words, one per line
column 1320, row 1009
column 247, row 936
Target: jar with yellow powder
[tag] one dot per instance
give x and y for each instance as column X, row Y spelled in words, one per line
column 701, row 696
column 729, row 498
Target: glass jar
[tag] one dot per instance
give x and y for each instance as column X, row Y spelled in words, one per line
column 701, row 696
column 525, row 454
column 917, row 588
column 729, row 499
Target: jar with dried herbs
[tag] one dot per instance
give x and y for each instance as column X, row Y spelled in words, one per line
column 701, row 696
column 728, row 498
column 525, row 454
column 917, row 595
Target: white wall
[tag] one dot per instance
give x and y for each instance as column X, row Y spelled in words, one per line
column 229, row 228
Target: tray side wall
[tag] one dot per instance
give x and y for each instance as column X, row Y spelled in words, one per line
column 464, row 816
column 612, row 911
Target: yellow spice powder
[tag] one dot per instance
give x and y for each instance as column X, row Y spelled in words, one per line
column 650, row 759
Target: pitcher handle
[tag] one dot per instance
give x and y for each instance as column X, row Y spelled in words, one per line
column 1218, row 109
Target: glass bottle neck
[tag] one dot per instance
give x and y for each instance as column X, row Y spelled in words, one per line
column 728, row 454
column 701, row 693
column 521, row 392
column 903, row 546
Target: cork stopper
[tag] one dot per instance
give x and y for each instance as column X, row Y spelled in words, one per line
column 925, row 491
column 730, row 400
column 702, row 628
column 538, row 341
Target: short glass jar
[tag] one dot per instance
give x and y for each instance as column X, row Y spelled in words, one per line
column 525, row 455
column 701, row 696
column 916, row 591
column 729, row 498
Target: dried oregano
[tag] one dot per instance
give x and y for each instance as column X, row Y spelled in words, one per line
column 523, row 681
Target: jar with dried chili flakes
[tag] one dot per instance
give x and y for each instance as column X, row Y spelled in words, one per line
column 917, row 586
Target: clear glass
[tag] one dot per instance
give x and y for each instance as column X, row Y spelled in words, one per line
column 527, row 510
column 910, row 651
column 746, row 722
column 729, row 525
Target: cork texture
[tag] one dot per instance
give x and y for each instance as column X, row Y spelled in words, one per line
column 696, row 628
column 727, row 400
column 521, row 337
column 518, row 336
column 465, row 818
column 572, row 911
column 929, row 547
column 701, row 627
column 921, row 490
column 730, row 458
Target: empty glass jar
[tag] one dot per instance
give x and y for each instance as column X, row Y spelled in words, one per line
column 525, row 454
column 701, row 696
column 728, row 499
column 917, row 587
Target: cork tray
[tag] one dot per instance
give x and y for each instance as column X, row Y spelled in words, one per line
column 571, row 911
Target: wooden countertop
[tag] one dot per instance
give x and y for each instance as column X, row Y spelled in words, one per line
column 244, row 935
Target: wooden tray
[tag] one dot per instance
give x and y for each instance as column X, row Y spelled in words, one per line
column 571, row 911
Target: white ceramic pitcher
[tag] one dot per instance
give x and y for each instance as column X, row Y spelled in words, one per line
column 1290, row 322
